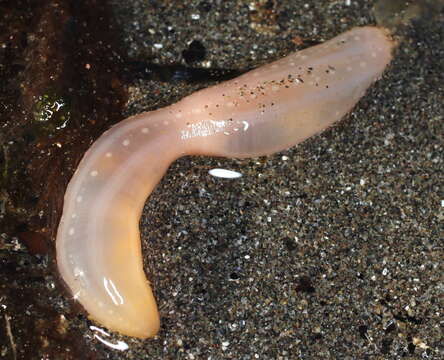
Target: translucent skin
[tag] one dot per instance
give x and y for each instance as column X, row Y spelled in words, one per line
column 261, row 112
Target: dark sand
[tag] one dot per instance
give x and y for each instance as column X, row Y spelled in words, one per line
column 330, row 250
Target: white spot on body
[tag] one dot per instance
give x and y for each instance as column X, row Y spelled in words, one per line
column 94, row 173
column 79, row 199
column 178, row 115
column 71, row 231
column 78, row 272
column 108, row 154
column 145, row 130
column 125, row 142
column 246, row 125
column 274, row 66
column 73, row 216
column 274, row 88
column 165, row 122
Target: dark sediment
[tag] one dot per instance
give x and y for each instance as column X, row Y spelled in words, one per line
column 331, row 250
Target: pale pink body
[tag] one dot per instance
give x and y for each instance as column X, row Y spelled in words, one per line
column 266, row 110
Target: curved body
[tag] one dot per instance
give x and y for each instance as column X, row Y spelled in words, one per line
column 263, row 111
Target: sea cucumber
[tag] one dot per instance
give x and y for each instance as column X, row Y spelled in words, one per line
column 261, row 112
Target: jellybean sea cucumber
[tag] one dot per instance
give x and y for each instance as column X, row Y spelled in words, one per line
column 263, row 111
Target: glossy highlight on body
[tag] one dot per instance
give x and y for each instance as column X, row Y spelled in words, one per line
column 261, row 112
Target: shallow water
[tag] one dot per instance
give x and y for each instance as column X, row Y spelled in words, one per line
column 332, row 249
